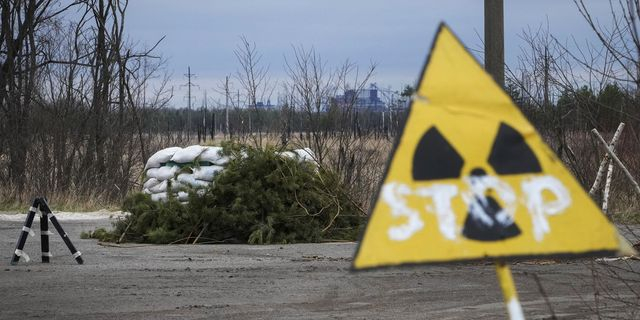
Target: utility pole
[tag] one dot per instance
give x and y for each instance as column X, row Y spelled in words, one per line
column 189, row 84
column 226, row 106
column 494, row 39
column 494, row 64
column 204, row 118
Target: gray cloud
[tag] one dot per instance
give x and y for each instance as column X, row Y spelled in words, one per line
column 394, row 34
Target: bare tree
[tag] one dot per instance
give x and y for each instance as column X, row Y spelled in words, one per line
column 21, row 24
column 621, row 40
column 75, row 93
column 253, row 77
column 310, row 89
column 332, row 125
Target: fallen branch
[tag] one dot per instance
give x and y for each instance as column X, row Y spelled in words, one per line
column 201, row 232
column 605, row 160
column 607, row 189
column 617, row 160
column 125, row 231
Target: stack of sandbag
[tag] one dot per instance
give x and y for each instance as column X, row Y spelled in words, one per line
column 179, row 170
column 302, row 155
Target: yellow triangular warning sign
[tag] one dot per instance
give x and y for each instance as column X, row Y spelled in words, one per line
column 470, row 178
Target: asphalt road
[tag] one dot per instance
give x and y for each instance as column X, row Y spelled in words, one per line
column 303, row 281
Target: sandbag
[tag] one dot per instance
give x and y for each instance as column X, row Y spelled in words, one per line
column 150, row 183
column 225, row 159
column 183, row 196
column 222, row 161
column 189, row 179
column 159, row 196
column 188, row 154
column 146, row 191
column 206, row 173
column 289, row 154
column 159, row 188
column 162, row 173
column 211, row 154
column 301, row 155
column 305, row 154
column 176, row 185
column 161, row 157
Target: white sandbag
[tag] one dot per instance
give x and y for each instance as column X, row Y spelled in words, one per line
column 225, row 159
column 160, row 157
column 147, row 191
column 211, row 154
column 162, row 173
column 189, row 179
column 202, row 183
column 176, row 185
column 305, row 154
column 302, row 155
column 206, row 173
column 188, row 154
column 150, row 183
column 222, row 161
column 183, row 196
column 159, row 188
column 289, row 154
column 159, row 197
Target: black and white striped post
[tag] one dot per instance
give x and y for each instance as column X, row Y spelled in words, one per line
column 26, row 230
column 46, row 214
column 44, row 207
column 44, row 236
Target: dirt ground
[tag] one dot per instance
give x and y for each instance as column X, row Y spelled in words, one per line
column 303, row 281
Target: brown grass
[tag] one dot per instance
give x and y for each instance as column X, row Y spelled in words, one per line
column 369, row 158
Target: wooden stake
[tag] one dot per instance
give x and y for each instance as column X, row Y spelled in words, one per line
column 605, row 160
column 607, row 189
column 509, row 291
column 617, row 160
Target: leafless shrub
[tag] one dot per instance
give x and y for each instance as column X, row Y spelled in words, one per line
column 72, row 112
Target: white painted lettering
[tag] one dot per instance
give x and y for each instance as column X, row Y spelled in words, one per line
column 394, row 195
column 538, row 208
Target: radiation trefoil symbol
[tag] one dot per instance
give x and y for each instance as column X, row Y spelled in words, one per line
column 487, row 219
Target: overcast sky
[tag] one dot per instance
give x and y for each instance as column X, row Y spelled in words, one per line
column 394, row 34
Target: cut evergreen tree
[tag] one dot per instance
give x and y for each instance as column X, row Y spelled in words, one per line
column 261, row 197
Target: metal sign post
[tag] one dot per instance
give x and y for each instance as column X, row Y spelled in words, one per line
column 509, row 291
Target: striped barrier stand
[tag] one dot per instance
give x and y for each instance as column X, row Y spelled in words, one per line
column 44, row 236
column 46, row 214
column 26, row 230
column 44, row 207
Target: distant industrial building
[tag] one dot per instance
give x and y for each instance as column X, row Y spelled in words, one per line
column 370, row 99
column 363, row 99
column 265, row 106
